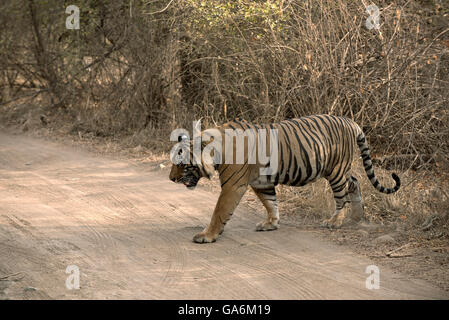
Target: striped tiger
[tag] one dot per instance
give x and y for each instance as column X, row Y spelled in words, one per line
column 309, row 148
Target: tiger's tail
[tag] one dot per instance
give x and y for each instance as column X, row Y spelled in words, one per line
column 368, row 165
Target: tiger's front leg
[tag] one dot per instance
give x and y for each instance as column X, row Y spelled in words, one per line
column 268, row 197
column 227, row 202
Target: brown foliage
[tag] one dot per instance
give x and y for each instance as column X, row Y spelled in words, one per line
column 154, row 66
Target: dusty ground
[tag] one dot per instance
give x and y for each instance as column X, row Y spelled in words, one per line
column 128, row 229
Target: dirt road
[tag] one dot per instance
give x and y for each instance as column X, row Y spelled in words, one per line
column 129, row 232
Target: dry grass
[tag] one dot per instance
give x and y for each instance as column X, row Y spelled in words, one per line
column 421, row 199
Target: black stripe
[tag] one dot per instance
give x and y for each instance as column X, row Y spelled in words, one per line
column 316, row 147
column 323, row 143
column 339, row 188
column 280, row 172
column 227, row 166
column 286, row 179
column 236, row 172
column 364, row 150
column 304, row 154
column 297, row 169
column 270, row 192
column 289, row 146
column 238, row 179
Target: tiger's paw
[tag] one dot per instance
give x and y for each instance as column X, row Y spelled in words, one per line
column 266, row 226
column 331, row 223
column 203, row 237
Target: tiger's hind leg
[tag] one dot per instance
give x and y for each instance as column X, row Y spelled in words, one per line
column 341, row 196
column 268, row 197
column 355, row 196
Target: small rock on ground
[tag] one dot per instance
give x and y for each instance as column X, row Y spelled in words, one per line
column 384, row 239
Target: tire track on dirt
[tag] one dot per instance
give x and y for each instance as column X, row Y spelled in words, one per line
column 130, row 232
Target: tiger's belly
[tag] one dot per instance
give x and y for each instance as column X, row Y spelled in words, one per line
column 284, row 178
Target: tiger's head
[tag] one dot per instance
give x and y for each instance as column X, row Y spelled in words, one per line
column 184, row 170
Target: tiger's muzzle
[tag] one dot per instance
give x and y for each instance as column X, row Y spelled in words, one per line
column 190, row 177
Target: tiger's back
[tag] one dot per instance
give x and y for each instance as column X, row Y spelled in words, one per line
column 308, row 148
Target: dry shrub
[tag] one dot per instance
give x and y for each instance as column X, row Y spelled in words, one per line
column 421, row 204
column 318, row 57
column 139, row 69
column 149, row 66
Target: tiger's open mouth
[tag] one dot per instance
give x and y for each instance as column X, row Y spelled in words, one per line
column 190, row 182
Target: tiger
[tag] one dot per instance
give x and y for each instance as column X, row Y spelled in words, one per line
column 309, row 148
